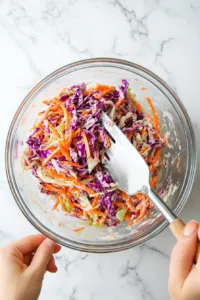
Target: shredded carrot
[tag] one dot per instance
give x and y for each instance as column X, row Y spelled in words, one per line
column 78, row 229
column 108, row 90
column 84, row 113
column 70, row 138
column 95, row 201
column 155, row 119
column 50, row 148
column 44, row 116
column 52, row 188
column 66, row 114
column 102, row 219
column 67, row 197
column 39, row 132
column 128, row 216
column 152, row 108
column 87, row 92
column 75, row 191
column 178, row 163
column 102, row 87
column 71, row 204
column 76, row 214
column 152, row 168
column 56, row 204
column 50, row 157
column 130, row 135
column 53, row 130
column 66, row 154
column 55, row 109
column 96, row 212
column 141, row 215
column 119, row 102
column 120, row 112
column 77, row 132
column 157, row 157
column 108, row 142
column 142, row 88
column 138, row 106
column 128, row 201
column 153, row 181
column 40, row 125
column 83, row 187
column 120, row 204
column 144, row 148
column 104, row 92
column 140, row 196
column 47, row 102
column 64, row 150
column 87, row 147
column 143, row 132
column 54, row 174
column 148, row 115
column 53, row 134
column 73, row 164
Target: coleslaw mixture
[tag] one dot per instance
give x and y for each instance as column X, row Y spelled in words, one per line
column 66, row 152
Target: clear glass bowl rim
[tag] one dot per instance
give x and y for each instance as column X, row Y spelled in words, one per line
column 108, row 247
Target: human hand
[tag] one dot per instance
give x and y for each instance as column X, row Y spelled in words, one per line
column 22, row 267
column 184, row 277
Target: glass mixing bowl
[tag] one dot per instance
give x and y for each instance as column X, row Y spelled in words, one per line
column 179, row 156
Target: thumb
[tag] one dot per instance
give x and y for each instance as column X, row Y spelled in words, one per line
column 41, row 258
column 183, row 255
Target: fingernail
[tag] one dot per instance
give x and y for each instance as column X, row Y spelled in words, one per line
column 190, row 228
column 55, row 269
column 58, row 247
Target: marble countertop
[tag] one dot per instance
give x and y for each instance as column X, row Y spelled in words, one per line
column 37, row 37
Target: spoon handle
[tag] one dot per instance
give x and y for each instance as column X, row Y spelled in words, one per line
column 177, row 227
column 162, row 206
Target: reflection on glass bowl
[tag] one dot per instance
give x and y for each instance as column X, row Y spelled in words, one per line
column 177, row 174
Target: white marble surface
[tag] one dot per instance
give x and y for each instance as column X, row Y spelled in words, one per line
column 36, row 37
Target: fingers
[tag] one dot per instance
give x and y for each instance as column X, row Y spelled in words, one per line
column 183, row 255
column 198, row 250
column 28, row 258
column 51, row 267
column 57, row 248
column 42, row 258
column 32, row 246
column 199, row 233
column 29, row 243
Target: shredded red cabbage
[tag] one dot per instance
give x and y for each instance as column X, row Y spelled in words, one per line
column 66, row 152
